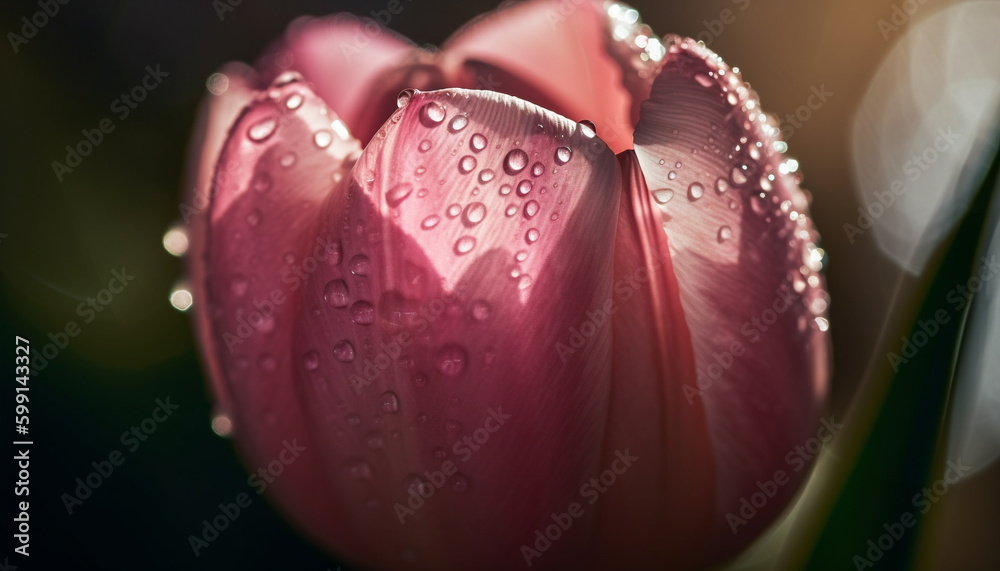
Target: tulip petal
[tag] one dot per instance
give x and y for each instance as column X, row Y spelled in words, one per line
column 743, row 251
column 351, row 63
column 279, row 165
column 231, row 90
column 580, row 59
column 477, row 231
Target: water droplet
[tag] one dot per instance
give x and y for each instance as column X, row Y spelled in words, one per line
column 358, row 469
column 521, row 256
column 721, row 185
column 704, row 80
column 457, row 123
column 453, row 210
column 480, row 310
column 253, row 218
column 531, row 236
column 362, row 313
column 336, row 293
column 424, row 146
column 760, row 204
column 288, row 159
column 403, row 99
column 360, row 265
column 515, row 161
column 374, row 441
column 388, row 402
column 430, row 222
column 511, row 210
column 420, row 380
column 524, row 187
column 822, row 324
column 678, row 165
column 531, row 209
column 486, row 175
column 460, row 484
column 537, row 169
column 464, row 245
column 695, row 191
column 505, row 189
column 563, row 155
column 310, row 361
column 323, row 138
column 450, row 360
column 222, row 425
column 238, row 286
column 467, row 163
column 398, row 194
column 353, row 420
column 725, row 233
column 477, row 142
column 432, row 114
column 294, row 101
column 414, row 484
column 474, row 213
column 262, row 130
column 737, row 176
column 672, row 175
column 663, row 196
column 587, row 128
column 343, row 351
column 524, row 282
column 261, row 182
column 452, row 425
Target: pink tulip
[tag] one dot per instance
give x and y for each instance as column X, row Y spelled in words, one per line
column 579, row 360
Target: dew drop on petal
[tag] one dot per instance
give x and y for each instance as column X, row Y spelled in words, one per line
column 353, row 420
column 336, row 294
column 737, row 177
column 288, row 159
column 388, row 402
column 403, row 99
column 725, row 233
column 464, row 245
column 511, row 210
column 343, row 351
column 262, row 130
column 398, row 194
column 486, row 175
column 261, row 182
column 587, row 128
column 477, row 142
column 454, row 210
column 480, row 310
column 362, row 313
column 531, row 236
column 537, row 169
column 457, row 123
column 310, row 361
column 360, row 265
column 505, row 189
column 432, row 113
column 358, row 469
column 451, row 360
column 323, row 138
column 253, row 218
column 695, row 191
column 531, row 209
column 515, row 161
column 466, row 165
column 563, row 155
column 663, row 196
column 430, row 222
column 524, row 282
column 524, row 187
column 474, row 213
column 374, row 441
column 721, row 185
column 294, row 101
column 424, row 146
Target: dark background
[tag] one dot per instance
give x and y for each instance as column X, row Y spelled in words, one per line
column 64, row 239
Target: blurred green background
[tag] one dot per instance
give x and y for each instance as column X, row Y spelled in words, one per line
column 60, row 241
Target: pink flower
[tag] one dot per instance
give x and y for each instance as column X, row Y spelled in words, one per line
column 486, row 306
